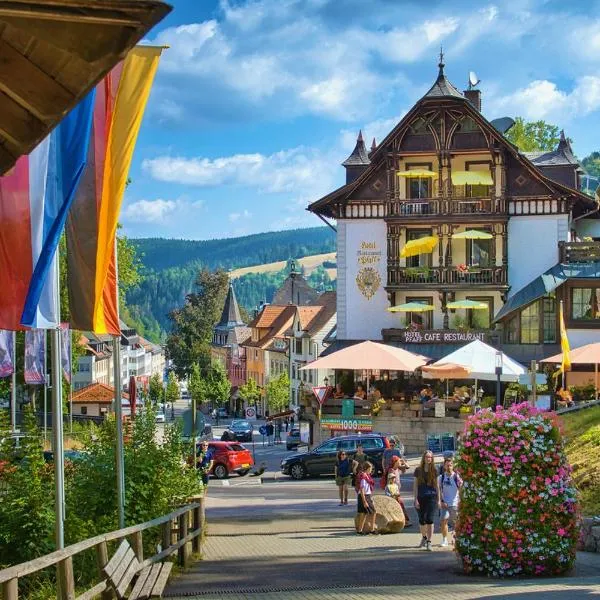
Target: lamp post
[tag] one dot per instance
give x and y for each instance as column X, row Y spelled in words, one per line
column 326, row 381
column 498, row 373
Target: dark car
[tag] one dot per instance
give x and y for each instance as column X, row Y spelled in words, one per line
column 292, row 441
column 242, row 430
column 321, row 460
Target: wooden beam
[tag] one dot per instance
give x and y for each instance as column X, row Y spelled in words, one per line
column 16, row 124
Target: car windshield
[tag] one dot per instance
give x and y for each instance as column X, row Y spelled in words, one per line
column 236, row 447
column 241, row 424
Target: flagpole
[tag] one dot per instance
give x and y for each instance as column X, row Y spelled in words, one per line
column 13, row 387
column 119, row 454
column 45, row 386
column 71, row 382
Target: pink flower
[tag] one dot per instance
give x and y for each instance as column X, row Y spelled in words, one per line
column 562, row 532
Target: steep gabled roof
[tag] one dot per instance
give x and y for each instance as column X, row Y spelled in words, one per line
column 563, row 155
column 96, row 392
column 231, row 316
column 443, row 88
column 277, row 319
column 359, row 156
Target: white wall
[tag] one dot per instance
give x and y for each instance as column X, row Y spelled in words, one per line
column 363, row 245
column 533, row 247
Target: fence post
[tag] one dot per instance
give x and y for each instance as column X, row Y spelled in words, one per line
column 196, row 527
column 138, row 546
column 10, row 589
column 183, row 531
column 66, row 580
column 166, row 534
column 102, row 561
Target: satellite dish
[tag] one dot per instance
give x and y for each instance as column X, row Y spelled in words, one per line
column 473, row 81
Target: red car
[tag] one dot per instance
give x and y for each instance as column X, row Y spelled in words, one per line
column 229, row 457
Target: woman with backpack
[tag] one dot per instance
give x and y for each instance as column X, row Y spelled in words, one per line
column 449, row 483
column 426, row 497
column 343, row 475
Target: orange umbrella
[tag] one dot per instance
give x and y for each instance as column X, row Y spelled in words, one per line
column 584, row 355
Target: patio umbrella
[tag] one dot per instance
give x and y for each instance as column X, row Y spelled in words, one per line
column 584, row 355
column 472, row 234
column 423, row 245
column 467, row 304
column 132, row 395
column 446, row 371
column 411, row 307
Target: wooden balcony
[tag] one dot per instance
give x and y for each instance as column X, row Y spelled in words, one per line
column 455, row 206
column 579, row 252
column 413, row 277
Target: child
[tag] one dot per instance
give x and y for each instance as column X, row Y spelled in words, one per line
column 391, row 489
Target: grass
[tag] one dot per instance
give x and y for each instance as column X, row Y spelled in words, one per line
column 310, row 263
column 582, row 433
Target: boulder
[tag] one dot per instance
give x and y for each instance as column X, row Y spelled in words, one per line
column 389, row 516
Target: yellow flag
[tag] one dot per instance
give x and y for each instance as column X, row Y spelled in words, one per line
column 565, row 365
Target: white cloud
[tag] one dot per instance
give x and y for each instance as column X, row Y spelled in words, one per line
column 149, row 211
column 584, row 40
column 236, row 216
column 542, row 99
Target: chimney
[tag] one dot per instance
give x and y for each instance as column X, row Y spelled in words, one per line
column 474, row 97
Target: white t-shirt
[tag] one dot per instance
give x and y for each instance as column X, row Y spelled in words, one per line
column 449, row 485
column 366, row 487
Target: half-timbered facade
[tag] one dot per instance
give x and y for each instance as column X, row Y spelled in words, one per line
column 443, row 171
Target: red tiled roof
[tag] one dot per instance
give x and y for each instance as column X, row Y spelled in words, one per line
column 279, row 318
column 96, row 392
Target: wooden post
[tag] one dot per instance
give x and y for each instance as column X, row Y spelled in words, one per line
column 183, row 552
column 10, row 589
column 101, row 561
column 197, row 529
column 66, row 580
column 138, row 546
column 166, row 534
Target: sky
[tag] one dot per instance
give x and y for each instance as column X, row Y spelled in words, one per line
column 257, row 102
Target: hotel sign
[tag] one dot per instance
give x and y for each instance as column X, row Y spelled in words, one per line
column 353, row 424
column 436, row 336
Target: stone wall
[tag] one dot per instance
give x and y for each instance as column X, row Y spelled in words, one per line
column 589, row 539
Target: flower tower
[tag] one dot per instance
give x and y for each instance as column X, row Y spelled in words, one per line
column 518, row 506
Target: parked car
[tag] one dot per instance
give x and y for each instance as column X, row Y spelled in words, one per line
column 222, row 412
column 160, row 417
column 321, row 460
column 229, row 457
column 292, row 440
column 242, row 430
column 70, row 455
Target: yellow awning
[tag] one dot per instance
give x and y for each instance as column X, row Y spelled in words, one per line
column 472, row 178
column 424, row 245
column 411, row 307
column 416, row 173
column 472, row 234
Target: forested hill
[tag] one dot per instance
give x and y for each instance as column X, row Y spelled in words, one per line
column 232, row 253
column 169, row 268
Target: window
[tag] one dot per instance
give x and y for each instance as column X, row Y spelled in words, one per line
column 330, row 446
column 421, row 260
column 420, row 320
column 481, row 318
column 585, row 304
column 419, row 127
column 512, row 330
column 479, row 253
column 467, row 125
column 83, row 410
column 310, row 377
column 530, row 324
column 549, row 307
column 371, row 443
column 348, row 445
column 418, row 187
column 298, row 346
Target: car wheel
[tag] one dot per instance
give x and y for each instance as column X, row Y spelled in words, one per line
column 243, row 472
column 220, row 471
column 298, row 471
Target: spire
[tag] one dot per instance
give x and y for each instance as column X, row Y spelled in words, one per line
column 373, row 145
column 441, row 64
column 564, row 147
column 231, row 316
column 442, row 86
column 359, row 155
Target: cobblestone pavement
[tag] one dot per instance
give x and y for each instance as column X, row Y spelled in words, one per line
column 291, row 540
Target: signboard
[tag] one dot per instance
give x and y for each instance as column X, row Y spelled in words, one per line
column 441, row 442
column 540, row 379
column 187, row 422
column 347, row 408
column 353, row 424
column 438, row 336
column 440, row 409
column 448, row 442
column 250, row 413
column 305, row 432
column 543, row 402
column 322, row 393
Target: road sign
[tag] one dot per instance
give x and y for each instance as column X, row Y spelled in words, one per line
column 321, row 393
column 540, row 379
column 262, row 430
column 251, row 413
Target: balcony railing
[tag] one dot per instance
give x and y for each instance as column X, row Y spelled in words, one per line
column 446, row 206
column 579, row 252
column 414, row 276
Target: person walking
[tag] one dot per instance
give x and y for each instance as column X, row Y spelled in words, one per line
column 396, row 470
column 389, row 454
column 425, row 497
column 343, row 475
column 270, row 432
column 449, row 484
column 204, row 464
column 365, row 507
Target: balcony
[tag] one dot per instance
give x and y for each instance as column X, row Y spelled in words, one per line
column 579, row 252
column 457, row 205
column 412, row 277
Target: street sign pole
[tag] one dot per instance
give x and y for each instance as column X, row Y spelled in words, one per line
column 533, row 382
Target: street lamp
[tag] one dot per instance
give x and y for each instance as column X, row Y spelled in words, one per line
column 498, row 373
column 326, row 381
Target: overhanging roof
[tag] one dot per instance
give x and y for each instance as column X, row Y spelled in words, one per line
column 547, row 283
column 52, row 52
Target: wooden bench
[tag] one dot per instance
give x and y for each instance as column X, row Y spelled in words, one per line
column 123, row 567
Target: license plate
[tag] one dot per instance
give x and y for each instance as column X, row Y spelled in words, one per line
column 245, row 466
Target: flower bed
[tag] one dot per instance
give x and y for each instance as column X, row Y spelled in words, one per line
column 518, row 510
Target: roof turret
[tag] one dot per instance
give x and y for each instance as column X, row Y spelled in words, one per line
column 442, row 86
column 359, row 155
column 231, row 316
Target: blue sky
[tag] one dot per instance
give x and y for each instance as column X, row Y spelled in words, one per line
column 257, row 102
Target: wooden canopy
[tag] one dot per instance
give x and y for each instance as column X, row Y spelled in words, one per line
column 52, row 52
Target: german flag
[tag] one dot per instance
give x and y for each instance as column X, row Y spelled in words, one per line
column 120, row 102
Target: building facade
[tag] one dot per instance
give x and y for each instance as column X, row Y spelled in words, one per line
column 495, row 218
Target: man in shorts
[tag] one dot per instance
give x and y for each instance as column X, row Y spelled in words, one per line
column 388, row 455
column 449, row 484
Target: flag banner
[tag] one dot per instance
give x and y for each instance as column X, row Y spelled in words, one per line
column 91, row 228
column 65, row 350
column 35, row 348
column 7, row 360
column 34, row 200
column 564, row 343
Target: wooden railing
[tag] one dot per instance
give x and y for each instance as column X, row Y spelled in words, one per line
column 398, row 276
column 579, row 252
column 63, row 559
column 460, row 205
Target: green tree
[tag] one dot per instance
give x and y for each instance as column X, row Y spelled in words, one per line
column 591, row 164
column 197, row 386
column 193, row 323
column 218, row 386
column 155, row 389
column 250, row 392
column 278, row 393
column 533, row 136
column 172, row 388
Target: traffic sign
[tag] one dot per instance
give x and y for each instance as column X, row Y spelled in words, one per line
column 322, row 393
column 251, row 413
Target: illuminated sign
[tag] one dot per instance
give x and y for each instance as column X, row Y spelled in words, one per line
column 341, row 424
